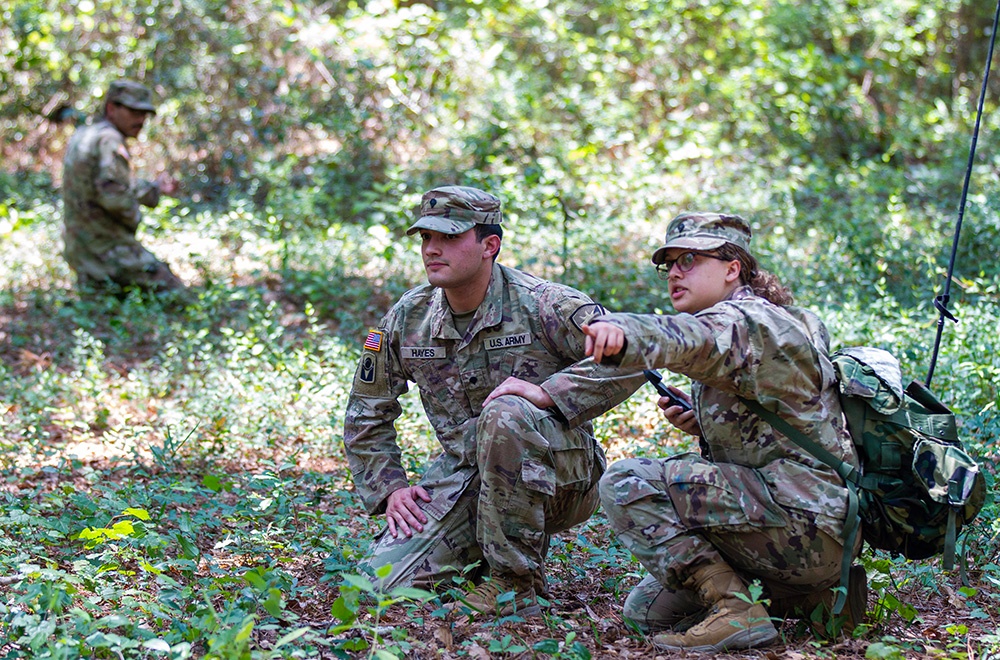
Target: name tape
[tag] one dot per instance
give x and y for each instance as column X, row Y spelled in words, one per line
column 422, row 352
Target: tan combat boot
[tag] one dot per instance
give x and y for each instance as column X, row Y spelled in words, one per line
column 731, row 623
column 493, row 598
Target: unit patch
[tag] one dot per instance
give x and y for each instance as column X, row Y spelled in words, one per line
column 422, row 352
column 366, row 371
column 584, row 314
column 508, row 341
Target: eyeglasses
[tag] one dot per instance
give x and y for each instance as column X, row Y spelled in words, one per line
column 685, row 263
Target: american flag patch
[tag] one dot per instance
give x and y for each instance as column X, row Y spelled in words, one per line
column 374, row 341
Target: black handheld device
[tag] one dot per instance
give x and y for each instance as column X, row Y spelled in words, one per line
column 656, row 380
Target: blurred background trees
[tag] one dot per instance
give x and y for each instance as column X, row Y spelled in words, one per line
column 843, row 124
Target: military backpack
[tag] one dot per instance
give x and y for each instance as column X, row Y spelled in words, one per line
column 916, row 486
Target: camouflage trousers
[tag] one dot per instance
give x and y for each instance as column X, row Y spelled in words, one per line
column 124, row 266
column 683, row 512
column 535, row 477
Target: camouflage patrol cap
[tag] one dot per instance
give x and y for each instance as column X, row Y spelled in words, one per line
column 131, row 94
column 456, row 209
column 704, row 231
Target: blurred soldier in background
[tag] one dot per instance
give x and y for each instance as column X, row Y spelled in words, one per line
column 101, row 202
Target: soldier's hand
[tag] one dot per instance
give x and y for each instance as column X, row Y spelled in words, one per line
column 522, row 388
column 167, row 184
column 603, row 339
column 403, row 514
column 680, row 418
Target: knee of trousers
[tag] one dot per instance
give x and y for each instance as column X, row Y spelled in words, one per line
column 507, row 418
column 608, row 486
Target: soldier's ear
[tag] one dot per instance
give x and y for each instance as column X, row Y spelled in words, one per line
column 733, row 271
column 491, row 246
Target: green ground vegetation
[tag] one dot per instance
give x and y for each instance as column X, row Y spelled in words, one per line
column 174, row 483
column 172, row 480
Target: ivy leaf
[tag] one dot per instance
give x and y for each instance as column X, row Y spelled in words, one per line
column 157, row 645
column 141, row 514
column 342, row 612
column 273, row 603
column 359, row 581
column 291, row 637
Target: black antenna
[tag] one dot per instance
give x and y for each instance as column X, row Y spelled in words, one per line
column 941, row 301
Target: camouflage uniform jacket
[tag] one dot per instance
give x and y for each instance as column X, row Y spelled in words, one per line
column 747, row 347
column 525, row 327
column 100, row 201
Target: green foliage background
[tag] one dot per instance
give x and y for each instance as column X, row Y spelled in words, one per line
column 842, row 124
column 303, row 134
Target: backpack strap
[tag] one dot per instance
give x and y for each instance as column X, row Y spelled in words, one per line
column 848, row 472
column 851, row 476
column 852, row 525
column 931, row 424
column 954, row 497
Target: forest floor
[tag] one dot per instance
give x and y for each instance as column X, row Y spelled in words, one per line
column 586, row 598
column 586, row 591
column 918, row 610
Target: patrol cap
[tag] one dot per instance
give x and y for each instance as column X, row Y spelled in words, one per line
column 704, row 231
column 456, row 209
column 131, row 94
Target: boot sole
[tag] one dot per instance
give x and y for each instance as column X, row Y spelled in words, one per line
column 741, row 639
column 528, row 612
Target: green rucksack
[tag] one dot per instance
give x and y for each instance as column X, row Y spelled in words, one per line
column 917, row 486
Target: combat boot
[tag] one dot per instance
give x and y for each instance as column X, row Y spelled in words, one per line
column 731, row 622
column 492, row 598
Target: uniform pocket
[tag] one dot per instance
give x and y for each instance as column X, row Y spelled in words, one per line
column 538, row 477
column 708, row 495
column 574, row 452
column 667, row 498
column 441, row 386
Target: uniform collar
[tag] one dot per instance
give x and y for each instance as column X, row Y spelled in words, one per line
column 742, row 293
column 488, row 314
column 105, row 120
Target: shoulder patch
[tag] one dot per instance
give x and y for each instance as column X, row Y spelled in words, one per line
column 366, row 370
column 374, row 341
column 584, row 314
column 370, row 378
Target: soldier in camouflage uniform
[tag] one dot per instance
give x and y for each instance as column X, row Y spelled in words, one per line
column 101, row 202
column 753, row 505
column 496, row 354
